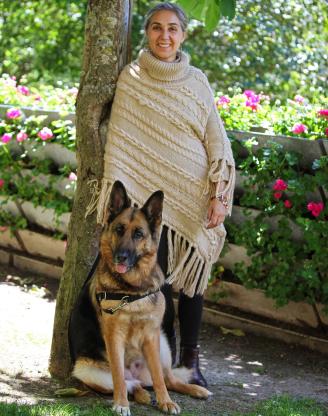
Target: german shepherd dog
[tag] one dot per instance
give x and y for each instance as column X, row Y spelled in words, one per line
column 115, row 338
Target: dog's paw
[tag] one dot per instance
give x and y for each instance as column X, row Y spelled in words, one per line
column 199, row 392
column 171, row 408
column 122, row 410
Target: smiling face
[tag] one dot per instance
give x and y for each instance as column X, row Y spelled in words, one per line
column 165, row 35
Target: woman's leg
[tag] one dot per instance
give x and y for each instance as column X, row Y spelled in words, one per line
column 169, row 315
column 190, row 316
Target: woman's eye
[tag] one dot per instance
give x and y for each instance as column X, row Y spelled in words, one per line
column 173, row 29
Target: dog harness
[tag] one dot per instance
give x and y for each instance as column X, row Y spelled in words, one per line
column 125, row 299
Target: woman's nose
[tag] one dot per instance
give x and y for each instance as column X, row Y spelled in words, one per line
column 165, row 34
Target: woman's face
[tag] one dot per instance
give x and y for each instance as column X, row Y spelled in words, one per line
column 165, row 35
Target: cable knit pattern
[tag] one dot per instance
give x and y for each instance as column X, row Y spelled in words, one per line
column 165, row 133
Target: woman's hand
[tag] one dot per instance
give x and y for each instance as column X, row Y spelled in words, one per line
column 216, row 213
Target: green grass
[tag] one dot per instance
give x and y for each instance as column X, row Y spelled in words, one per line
column 279, row 406
column 14, row 409
column 286, row 406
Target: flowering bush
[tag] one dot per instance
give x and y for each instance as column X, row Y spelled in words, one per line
column 297, row 117
column 16, row 127
column 287, row 239
column 45, row 96
column 22, row 175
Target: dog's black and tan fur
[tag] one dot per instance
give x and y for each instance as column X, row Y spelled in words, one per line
column 124, row 351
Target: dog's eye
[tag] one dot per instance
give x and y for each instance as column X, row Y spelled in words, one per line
column 138, row 234
column 119, row 229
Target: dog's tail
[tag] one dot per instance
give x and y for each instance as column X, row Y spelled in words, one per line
column 97, row 375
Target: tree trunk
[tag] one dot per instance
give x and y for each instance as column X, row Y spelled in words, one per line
column 105, row 54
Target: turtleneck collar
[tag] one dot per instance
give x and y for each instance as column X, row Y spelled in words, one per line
column 162, row 70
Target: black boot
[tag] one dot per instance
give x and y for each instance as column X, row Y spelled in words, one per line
column 189, row 358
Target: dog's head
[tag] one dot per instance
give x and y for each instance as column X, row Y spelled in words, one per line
column 130, row 239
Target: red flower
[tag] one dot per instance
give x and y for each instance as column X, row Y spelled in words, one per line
column 288, row 203
column 277, row 195
column 280, row 185
column 315, row 208
column 2, row 182
column 326, row 132
column 323, row 113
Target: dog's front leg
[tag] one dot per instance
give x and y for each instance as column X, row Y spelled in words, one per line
column 151, row 352
column 115, row 347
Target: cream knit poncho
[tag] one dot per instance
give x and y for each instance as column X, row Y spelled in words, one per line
column 165, row 133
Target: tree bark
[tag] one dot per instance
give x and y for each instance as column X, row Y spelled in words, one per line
column 105, row 53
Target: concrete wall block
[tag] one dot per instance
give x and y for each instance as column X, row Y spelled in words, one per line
column 8, row 240
column 4, row 257
column 37, row 266
column 42, row 245
column 255, row 301
column 235, row 254
column 45, row 217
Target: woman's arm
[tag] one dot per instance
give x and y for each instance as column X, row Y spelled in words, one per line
column 221, row 176
column 217, row 209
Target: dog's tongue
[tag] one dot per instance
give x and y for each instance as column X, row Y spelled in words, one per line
column 121, row 268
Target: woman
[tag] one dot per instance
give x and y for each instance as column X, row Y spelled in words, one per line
column 165, row 133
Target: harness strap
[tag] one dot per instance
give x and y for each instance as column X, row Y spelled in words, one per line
column 125, row 299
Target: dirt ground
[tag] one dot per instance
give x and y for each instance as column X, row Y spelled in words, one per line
column 240, row 369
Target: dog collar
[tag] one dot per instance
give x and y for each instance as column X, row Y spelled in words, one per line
column 125, row 299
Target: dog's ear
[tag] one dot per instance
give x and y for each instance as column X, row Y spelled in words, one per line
column 153, row 209
column 118, row 200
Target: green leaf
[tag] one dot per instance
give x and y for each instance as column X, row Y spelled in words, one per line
column 198, row 11
column 188, row 5
column 228, row 8
column 212, row 16
column 70, row 392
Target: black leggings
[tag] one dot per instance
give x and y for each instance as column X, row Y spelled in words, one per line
column 189, row 309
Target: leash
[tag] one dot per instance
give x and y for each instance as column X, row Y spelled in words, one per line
column 125, row 299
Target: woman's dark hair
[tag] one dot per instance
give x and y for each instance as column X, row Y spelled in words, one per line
column 181, row 15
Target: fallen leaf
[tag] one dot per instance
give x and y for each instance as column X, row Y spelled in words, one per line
column 71, row 392
column 237, row 332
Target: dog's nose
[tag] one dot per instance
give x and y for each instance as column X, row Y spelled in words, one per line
column 121, row 256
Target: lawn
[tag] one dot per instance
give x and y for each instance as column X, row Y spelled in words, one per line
column 279, row 406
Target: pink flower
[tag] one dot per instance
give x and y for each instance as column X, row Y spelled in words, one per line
column 280, row 185
column 37, row 98
column 323, row 113
column 299, row 128
column 223, row 101
column 2, row 182
column 288, row 203
column 21, row 136
column 315, row 208
column 277, row 195
column 5, row 138
column 299, row 99
column 45, row 133
column 23, row 90
column 13, row 113
column 252, row 100
column 249, row 93
column 72, row 176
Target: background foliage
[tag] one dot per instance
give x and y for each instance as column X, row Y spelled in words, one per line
column 273, row 46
